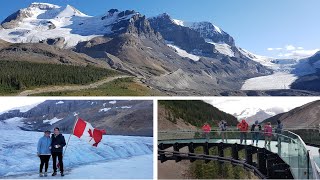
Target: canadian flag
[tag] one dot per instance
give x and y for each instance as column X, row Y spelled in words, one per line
column 85, row 131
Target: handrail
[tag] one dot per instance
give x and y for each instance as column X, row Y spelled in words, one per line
column 212, row 131
column 300, row 157
column 234, row 128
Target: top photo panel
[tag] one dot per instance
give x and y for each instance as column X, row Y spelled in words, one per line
column 160, row 48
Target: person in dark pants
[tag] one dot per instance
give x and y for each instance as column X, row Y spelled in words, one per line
column 57, row 144
column 44, row 152
column 279, row 132
column 255, row 131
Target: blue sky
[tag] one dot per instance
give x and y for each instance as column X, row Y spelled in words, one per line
column 277, row 28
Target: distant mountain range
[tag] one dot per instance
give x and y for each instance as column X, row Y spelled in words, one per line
column 116, row 117
column 257, row 114
column 173, row 56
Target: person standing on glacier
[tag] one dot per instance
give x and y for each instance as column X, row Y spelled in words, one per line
column 57, row 144
column 44, row 153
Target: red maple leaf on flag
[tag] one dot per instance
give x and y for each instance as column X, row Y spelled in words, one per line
column 90, row 134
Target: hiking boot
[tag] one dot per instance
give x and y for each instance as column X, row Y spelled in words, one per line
column 45, row 174
column 62, row 174
column 55, row 173
column 41, row 174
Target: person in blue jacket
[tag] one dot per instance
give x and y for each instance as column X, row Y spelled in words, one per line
column 44, row 152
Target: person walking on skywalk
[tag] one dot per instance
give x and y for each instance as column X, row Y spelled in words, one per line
column 267, row 134
column 223, row 128
column 243, row 127
column 279, row 129
column 206, row 128
column 255, row 131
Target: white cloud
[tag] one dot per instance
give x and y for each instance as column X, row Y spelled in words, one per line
column 238, row 104
column 272, row 49
column 291, row 51
column 7, row 103
column 290, row 47
column 302, row 53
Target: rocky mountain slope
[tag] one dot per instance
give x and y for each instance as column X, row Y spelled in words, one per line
column 116, row 117
column 300, row 117
column 181, row 58
column 311, row 78
column 44, row 53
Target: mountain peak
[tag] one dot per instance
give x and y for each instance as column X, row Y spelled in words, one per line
column 43, row 6
column 69, row 11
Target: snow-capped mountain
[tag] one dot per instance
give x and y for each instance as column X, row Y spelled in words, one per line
column 160, row 49
column 208, row 31
column 257, row 114
column 42, row 21
column 114, row 116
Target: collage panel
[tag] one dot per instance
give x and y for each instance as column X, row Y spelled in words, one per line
column 79, row 48
column 76, row 138
column 225, row 89
column 239, row 138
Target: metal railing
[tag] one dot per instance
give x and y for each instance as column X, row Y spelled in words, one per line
column 288, row 145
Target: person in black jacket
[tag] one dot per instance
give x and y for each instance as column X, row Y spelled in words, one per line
column 57, row 144
column 255, row 131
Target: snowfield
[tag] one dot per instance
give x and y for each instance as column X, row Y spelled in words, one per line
column 120, row 169
column 278, row 80
column 184, row 53
column 286, row 71
column 118, row 156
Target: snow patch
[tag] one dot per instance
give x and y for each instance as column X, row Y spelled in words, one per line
column 112, row 102
column 222, row 48
column 104, row 109
column 126, row 107
column 217, row 29
column 184, row 53
column 178, row 22
column 60, row 102
column 52, row 121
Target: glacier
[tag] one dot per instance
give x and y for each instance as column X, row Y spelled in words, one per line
column 18, row 155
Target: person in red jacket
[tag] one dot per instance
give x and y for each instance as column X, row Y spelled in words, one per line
column 267, row 134
column 206, row 128
column 243, row 127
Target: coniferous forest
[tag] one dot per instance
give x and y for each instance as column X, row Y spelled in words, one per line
column 196, row 112
column 16, row 76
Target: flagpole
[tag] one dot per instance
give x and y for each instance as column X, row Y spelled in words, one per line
column 70, row 135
